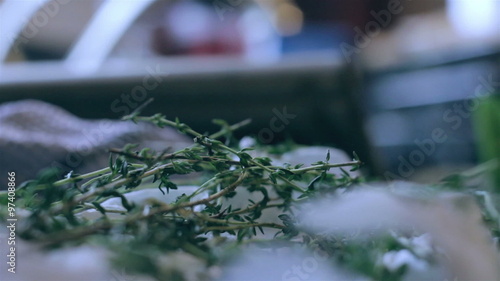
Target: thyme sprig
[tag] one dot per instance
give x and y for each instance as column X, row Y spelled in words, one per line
column 57, row 207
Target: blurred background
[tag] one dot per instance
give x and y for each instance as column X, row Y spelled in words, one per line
column 409, row 85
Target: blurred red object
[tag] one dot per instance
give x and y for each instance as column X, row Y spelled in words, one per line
column 192, row 28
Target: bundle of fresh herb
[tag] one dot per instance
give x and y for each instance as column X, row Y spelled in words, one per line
column 139, row 216
column 55, row 211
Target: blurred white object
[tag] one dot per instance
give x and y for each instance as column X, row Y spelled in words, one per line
column 190, row 22
column 291, row 264
column 262, row 43
column 191, row 267
column 84, row 263
column 453, row 221
column 393, row 260
column 106, row 28
column 474, row 18
column 247, row 142
column 76, row 264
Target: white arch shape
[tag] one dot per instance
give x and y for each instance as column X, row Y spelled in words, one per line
column 14, row 15
column 106, row 28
